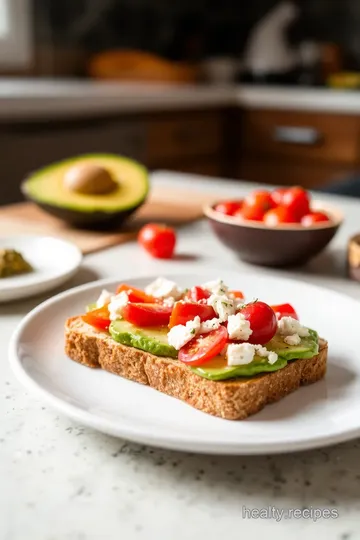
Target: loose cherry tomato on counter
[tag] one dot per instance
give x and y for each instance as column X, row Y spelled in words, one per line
column 187, row 311
column 99, row 318
column 279, row 215
column 297, row 200
column 204, row 347
column 135, row 295
column 195, row 294
column 285, row 310
column 158, row 240
column 147, row 314
column 277, row 195
column 263, row 322
column 237, row 294
column 228, row 207
column 313, row 218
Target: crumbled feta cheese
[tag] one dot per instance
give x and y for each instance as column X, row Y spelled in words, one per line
column 209, row 326
column 117, row 305
column 293, row 340
column 278, row 315
column 261, row 351
column 288, row 326
column 216, row 287
column 272, row 357
column 181, row 334
column 223, row 306
column 170, row 301
column 239, row 303
column 239, row 327
column 164, row 288
column 104, row 299
column 239, row 354
column 264, row 353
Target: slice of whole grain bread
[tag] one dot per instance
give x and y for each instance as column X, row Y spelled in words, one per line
column 233, row 399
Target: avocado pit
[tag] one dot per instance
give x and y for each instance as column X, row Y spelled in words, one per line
column 89, row 179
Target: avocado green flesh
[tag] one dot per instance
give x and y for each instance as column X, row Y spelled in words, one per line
column 46, row 186
column 258, row 365
column 152, row 340
column 216, row 371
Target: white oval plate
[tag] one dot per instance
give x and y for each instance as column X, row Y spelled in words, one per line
column 53, row 260
column 321, row 414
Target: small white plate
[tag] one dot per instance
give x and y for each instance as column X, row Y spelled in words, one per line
column 53, row 260
column 321, row 414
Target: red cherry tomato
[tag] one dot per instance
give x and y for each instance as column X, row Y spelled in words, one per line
column 147, row 314
column 204, row 347
column 195, row 294
column 99, row 318
column 285, row 310
column 228, row 207
column 158, row 240
column 135, row 295
column 187, row 311
column 251, row 213
column 297, row 200
column 313, row 218
column 256, row 204
column 237, row 294
column 279, row 215
column 263, row 322
column 260, row 198
column 277, row 195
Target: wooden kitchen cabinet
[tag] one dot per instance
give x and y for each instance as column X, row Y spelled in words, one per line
column 185, row 139
column 293, row 147
column 308, row 175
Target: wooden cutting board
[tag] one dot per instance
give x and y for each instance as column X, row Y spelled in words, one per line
column 172, row 206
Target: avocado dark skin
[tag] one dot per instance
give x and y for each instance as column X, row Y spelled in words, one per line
column 101, row 221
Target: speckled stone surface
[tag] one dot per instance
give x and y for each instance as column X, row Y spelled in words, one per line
column 61, row 481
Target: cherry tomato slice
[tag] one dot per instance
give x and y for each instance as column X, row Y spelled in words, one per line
column 147, row 314
column 158, row 240
column 187, row 311
column 237, row 294
column 98, row 318
column 297, row 201
column 285, row 310
column 228, row 207
column 279, row 215
column 314, row 217
column 263, row 322
column 204, row 347
column 195, row 294
column 135, row 295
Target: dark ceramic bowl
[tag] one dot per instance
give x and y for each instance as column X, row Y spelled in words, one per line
column 284, row 245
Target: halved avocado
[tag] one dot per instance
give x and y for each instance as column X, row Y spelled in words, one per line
column 48, row 189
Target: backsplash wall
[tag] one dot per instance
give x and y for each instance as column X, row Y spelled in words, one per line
column 186, row 29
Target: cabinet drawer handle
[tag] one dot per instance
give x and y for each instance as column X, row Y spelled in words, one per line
column 306, row 136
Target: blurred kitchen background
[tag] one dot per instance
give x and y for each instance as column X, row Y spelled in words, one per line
column 263, row 90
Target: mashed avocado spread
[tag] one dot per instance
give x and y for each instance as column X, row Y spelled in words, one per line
column 13, row 263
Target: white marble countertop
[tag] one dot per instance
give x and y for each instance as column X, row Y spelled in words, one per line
column 22, row 99
column 61, row 481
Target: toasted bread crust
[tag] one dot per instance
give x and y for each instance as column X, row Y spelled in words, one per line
column 234, row 399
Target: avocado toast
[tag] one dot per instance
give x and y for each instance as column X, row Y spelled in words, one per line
column 231, row 383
